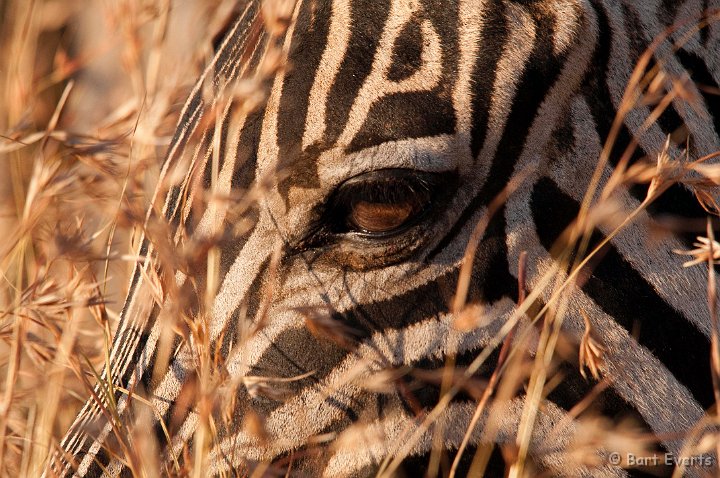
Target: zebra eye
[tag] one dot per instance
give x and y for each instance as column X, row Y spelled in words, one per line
column 378, row 217
column 382, row 203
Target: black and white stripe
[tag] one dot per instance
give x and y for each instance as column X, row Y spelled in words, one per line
column 479, row 90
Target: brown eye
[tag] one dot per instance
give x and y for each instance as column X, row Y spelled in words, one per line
column 379, row 217
column 387, row 204
column 381, row 203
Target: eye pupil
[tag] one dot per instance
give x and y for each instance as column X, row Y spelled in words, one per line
column 377, row 217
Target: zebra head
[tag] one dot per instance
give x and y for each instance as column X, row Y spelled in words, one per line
column 405, row 156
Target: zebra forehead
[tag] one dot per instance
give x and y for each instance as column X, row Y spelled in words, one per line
column 348, row 89
column 364, row 73
column 397, row 84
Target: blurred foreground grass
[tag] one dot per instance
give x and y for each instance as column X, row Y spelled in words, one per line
column 89, row 95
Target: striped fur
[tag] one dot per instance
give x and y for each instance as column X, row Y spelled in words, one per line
column 477, row 91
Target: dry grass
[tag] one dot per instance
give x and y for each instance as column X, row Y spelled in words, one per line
column 89, row 95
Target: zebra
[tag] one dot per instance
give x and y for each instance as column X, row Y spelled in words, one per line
column 410, row 161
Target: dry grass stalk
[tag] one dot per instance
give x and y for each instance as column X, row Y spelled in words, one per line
column 504, row 352
column 80, row 198
column 591, row 351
